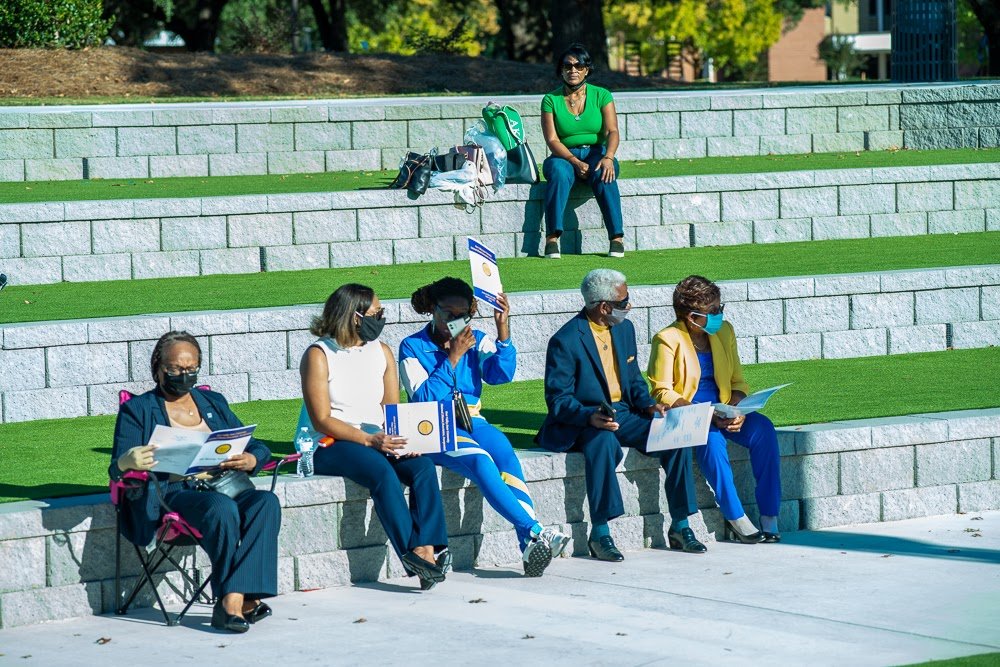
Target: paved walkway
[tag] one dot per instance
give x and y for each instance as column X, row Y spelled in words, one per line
column 881, row 594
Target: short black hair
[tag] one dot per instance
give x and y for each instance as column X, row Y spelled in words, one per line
column 578, row 51
column 427, row 297
column 166, row 340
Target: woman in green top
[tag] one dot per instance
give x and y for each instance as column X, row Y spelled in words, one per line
column 581, row 129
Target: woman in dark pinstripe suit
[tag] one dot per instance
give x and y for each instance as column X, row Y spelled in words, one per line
column 240, row 536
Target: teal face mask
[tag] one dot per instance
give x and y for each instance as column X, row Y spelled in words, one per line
column 713, row 322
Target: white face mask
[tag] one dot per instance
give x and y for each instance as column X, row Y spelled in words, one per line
column 617, row 316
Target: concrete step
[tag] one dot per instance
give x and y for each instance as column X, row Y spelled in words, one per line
column 74, row 368
column 277, row 137
column 832, row 475
column 155, row 238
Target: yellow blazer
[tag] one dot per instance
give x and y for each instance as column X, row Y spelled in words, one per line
column 674, row 370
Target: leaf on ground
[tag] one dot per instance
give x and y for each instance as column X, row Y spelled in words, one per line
column 621, row 634
column 476, row 601
column 103, row 640
column 528, row 637
column 727, row 573
column 886, row 555
column 976, row 518
column 361, row 620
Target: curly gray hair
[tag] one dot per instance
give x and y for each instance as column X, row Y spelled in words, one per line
column 601, row 285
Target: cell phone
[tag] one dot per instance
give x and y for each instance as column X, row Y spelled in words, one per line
column 456, row 326
column 606, row 410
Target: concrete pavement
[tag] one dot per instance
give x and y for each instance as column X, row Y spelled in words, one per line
column 879, row 594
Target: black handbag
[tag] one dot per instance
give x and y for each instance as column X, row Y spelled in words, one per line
column 462, row 414
column 230, row 483
column 414, row 173
column 521, row 165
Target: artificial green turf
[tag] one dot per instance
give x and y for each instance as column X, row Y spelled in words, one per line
column 35, row 303
column 197, row 186
column 981, row 660
column 70, row 456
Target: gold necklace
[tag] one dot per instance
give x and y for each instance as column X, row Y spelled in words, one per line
column 604, row 337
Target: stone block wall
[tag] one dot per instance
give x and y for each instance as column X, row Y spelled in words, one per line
column 60, row 554
column 254, row 354
column 226, row 139
column 160, row 238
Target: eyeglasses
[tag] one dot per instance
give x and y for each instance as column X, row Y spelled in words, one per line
column 574, row 66
column 714, row 311
column 378, row 314
column 174, row 370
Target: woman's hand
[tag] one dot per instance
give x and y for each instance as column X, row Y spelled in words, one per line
column 729, row 425
column 245, row 462
column 387, row 444
column 581, row 168
column 138, row 458
column 502, row 317
column 459, row 345
column 607, row 169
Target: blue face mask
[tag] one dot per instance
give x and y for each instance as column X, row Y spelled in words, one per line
column 713, row 322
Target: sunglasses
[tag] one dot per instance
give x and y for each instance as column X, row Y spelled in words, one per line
column 714, row 311
column 620, row 305
column 378, row 314
column 574, row 66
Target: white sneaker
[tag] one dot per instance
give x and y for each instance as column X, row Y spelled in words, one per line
column 557, row 541
column 537, row 557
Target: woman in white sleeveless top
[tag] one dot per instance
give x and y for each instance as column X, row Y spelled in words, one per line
column 347, row 376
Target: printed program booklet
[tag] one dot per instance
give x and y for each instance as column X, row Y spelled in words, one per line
column 182, row 451
column 428, row 427
column 681, row 427
column 752, row 403
column 486, row 283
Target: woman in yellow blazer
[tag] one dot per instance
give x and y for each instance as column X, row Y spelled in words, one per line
column 695, row 360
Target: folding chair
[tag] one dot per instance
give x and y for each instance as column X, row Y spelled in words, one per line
column 172, row 533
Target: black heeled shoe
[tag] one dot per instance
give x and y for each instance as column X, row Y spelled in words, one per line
column 684, row 540
column 260, row 611
column 772, row 537
column 430, row 574
column 221, row 620
column 730, row 534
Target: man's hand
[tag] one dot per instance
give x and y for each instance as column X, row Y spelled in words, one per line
column 656, row 410
column 245, row 462
column 137, row 458
column 602, row 421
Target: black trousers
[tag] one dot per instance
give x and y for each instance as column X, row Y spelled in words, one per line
column 240, row 537
column 602, row 452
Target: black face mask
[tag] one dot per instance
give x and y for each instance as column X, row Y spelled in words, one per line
column 180, row 384
column 370, row 328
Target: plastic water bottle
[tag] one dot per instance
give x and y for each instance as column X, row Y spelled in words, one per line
column 305, row 446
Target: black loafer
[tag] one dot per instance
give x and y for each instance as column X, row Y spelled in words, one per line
column 258, row 613
column 685, row 541
column 231, row 622
column 604, row 548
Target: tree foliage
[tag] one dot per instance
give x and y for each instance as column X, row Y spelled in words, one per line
column 71, row 24
column 837, row 51
column 424, row 26
column 733, row 33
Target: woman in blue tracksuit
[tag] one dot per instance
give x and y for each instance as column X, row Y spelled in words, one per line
column 433, row 364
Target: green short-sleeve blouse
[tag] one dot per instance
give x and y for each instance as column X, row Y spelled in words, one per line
column 588, row 130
